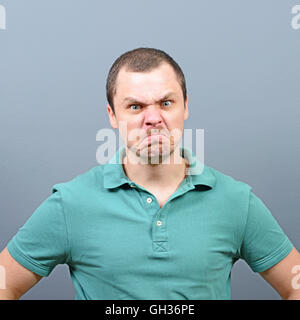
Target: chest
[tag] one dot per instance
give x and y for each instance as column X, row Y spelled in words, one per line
column 127, row 251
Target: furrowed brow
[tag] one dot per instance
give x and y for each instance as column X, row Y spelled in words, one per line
column 135, row 100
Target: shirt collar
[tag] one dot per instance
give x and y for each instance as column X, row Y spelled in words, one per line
column 200, row 175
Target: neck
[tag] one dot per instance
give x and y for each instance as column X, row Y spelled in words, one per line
column 164, row 174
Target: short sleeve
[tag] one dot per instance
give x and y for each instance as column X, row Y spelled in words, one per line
column 42, row 242
column 264, row 242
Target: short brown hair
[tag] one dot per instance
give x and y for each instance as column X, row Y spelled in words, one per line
column 140, row 60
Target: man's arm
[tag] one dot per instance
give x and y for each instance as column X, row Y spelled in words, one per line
column 17, row 279
column 280, row 276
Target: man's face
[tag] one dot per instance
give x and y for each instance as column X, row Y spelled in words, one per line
column 149, row 103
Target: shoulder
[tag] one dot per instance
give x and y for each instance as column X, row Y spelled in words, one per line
column 230, row 199
column 88, row 180
column 227, row 183
column 230, row 193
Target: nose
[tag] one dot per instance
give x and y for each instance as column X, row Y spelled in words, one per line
column 153, row 116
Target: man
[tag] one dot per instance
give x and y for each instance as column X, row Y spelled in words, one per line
column 141, row 229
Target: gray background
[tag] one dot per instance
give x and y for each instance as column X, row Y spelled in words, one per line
column 241, row 62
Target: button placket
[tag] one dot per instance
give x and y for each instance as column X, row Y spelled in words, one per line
column 160, row 243
column 159, row 234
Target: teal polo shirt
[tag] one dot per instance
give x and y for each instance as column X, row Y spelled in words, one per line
column 119, row 244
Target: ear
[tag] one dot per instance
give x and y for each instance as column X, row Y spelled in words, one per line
column 112, row 117
column 186, row 109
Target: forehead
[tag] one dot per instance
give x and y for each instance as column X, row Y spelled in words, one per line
column 147, row 84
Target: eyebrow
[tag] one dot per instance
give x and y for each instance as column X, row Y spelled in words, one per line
column 135, row 100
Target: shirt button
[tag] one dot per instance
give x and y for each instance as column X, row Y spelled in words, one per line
column 149, row 200
column 158, row 223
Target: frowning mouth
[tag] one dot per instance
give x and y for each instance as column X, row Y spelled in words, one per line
column 155, row 135
column 154, row 138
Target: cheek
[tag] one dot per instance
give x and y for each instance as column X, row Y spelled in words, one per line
column 176, row 121
column 175, row 126
column 131, row 131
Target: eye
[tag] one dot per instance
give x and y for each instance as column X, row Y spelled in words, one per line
column 134, row 105
column 166, row 103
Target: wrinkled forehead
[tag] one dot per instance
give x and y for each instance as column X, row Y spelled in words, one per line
column 149, row 86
